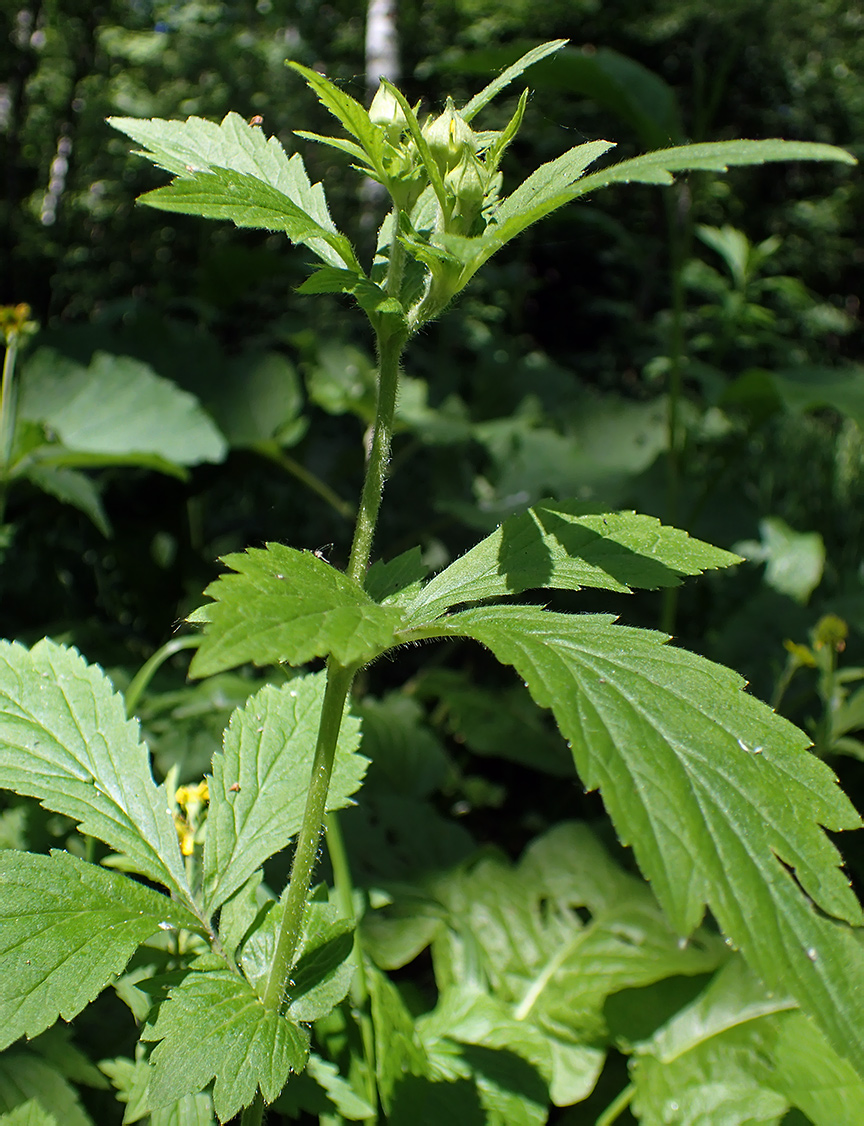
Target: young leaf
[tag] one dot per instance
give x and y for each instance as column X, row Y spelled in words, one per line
column 65, row 739
column 260, row 779
column 321, row 1090
column 29, row 1113
column 472, row 108
column 131, row 1080
column 117, row 405
column 66, row 928
column 353, row 116
column 213, row 1025
column 231, row 171
column 556, row 544
column 718, row 796
column 288, row 605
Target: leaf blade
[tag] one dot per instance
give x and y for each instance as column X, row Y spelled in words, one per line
column 65, row 739
column 715, row 792
column 287, row 605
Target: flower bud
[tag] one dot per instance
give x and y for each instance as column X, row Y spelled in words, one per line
column 448, row 136
column 386, row 112
column 467, row 184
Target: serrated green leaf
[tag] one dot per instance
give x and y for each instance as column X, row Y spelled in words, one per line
column 288, row 605
column 66, row 928
column 29, row 1113
column 25, row 1078
column 395, row 580
column 398, row 1051
column 70, row 487
column 557, row 544
column 322, row 972
column 56, row 1046
column 544, row 191
column 369, row 295
column 347, row 110
column 117, row 406
column 321, row 1090
column 131, row 1079
column 710, row 156
column 472, row 108
column 65, row 739
column 717, row 794
column 521, row 928
column 261, row 778
column 214, row 1026
column 232, row 171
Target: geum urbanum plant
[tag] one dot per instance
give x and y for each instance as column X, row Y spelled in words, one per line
column 719, row 797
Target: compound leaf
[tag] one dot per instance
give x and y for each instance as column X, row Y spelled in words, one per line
column 261, row 777
column 717, row 794
column 231, row 171
column 214, row 1025
column 65, row 739
column 288, row 605
column 557, row 544
column 66, row 928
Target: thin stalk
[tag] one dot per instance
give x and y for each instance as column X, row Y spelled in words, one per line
column 139, row 682
column 616, row 1108
column 340, row 677
column 308, row 478
column 7, row 416
column 678, row 223
column 359, row 985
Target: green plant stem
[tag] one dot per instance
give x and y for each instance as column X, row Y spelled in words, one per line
column 678, row 225
column 7, row 416
column 148, row 670
column 359, row 985
column 306, row 477
column 617, row 1107
column 390, row 343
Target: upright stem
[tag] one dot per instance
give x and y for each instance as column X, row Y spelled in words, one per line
column 7, row 416
column 339, row 677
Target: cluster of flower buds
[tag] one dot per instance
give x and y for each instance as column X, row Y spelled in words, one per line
column 15, row 320
column 454, row 147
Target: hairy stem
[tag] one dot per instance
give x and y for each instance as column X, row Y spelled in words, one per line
column 390, row 343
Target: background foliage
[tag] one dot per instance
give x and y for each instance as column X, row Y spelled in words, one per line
column 552, row 377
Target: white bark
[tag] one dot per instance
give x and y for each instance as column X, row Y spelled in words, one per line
column 382, row 43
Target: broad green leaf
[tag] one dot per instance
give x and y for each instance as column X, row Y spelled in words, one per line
column 117, row 406
column 408, row 759
column 710, row 156
column 557, row 544
column 231, row 171
column 717, row 795
column 214, row 1025
column 131, row 1079
column 261, row 778
column 472, row 108
column 25, row 1078
column 520, row 928
column 794, row 560
column 288, row 605
column 70, row 487
column 66, row 928
column 65, row 739
column 814, row 1077
column 353, row 116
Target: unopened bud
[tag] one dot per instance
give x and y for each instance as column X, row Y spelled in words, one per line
column 467, row 183
column 386, row 112
column 448, row 136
